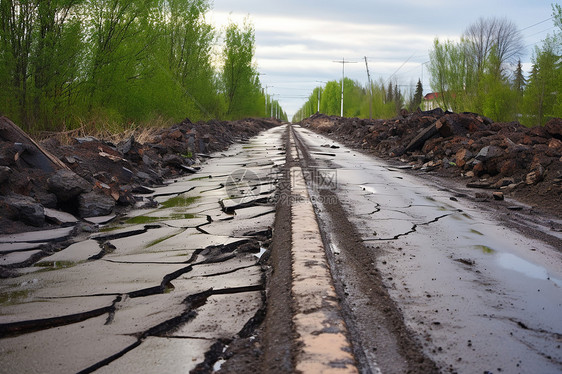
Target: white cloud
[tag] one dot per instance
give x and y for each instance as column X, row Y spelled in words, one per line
column 297, row 42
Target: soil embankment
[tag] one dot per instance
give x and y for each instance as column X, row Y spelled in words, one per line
column 500, row 159
column 46, row 184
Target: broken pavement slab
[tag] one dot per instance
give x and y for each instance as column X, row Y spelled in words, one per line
column 126, row 289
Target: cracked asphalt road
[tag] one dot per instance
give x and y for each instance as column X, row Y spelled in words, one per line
column 427, row 280
column 472, row 294
column 157, row 291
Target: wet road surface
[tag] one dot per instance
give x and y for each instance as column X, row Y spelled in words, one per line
column 478, row 296
column 423, row 280
column 156, row 290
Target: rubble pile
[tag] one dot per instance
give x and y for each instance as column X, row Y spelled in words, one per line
column 45, row 184
column 506, row 158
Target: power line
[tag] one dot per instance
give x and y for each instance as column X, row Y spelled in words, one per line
column 538, row 23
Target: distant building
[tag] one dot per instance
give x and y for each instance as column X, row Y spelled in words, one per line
column 430, row 101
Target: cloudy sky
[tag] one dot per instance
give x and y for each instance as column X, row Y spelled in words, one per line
column 297, row 42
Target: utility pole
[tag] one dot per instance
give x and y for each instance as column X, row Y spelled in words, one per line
column 319, row 89
column 370, row 91
column 343, row 62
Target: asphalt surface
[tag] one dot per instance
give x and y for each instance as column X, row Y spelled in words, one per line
column 473, row 294
column 407, row 274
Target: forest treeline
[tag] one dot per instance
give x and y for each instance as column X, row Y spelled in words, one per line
column 481, row 73
column 64, row 63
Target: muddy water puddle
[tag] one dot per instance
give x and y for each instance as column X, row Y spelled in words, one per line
column 156, row 287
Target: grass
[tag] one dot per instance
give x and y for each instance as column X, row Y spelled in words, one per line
column 179, row 201
column 108, row 130
column 13, row 297
column 140, row 220
column 484, row 249
column 162, row 239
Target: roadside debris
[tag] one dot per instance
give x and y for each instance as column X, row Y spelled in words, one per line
column 93, row 177
column 523, row 163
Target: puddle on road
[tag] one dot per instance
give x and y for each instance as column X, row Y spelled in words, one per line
column 515, row 263
column 509, row 261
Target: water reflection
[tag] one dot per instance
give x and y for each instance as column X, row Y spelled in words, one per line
column 512, row 262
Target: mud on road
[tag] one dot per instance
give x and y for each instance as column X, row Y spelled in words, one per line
column 469, row 293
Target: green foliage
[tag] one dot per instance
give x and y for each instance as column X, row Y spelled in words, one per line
column 67, row 62
column 356, row 101
column 242, row 90
column 470, row 78
column 541, row 97
column 417, row 98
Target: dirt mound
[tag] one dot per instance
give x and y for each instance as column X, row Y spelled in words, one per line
column 506, row 158
column 93, row 177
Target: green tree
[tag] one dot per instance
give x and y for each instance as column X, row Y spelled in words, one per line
column 540, row 99
column 519, row 80
column 16, row 28
column 418, row 97
column 451, row 74
column 239, row 75
column 330, row 104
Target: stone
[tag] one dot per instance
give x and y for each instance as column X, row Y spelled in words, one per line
column 478, row 184
column 125, row 146
column 94, row 204
column 555, row 144
column 28, row 210
column 59, row 217
column 508, row 167
column 554, row 128
column 503, row 182
column 489, row 152
column 67, row 185
column 498, row 196
column 462, row 156
column 536, row 175
column 4, row 174
column 478, row 168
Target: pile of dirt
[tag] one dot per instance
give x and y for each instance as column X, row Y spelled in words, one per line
column 43, row 184
column 505, row 159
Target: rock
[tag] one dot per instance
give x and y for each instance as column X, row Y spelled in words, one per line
column 48, row 200
column 508, row 167
column 67, row 185
column 4, row 174
column 503, row 182
column 482, row 196
column 93, row 204
column 478, row 168
column 422, row 136
column 479, row 184
column 555, row 144
column 554, row 128
column 173, row 160
column 489, row 152
column 498, row 196
column 462, row 156
column 536, row 175
column 59, row 217
column 125, row 146
column 28, row 210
